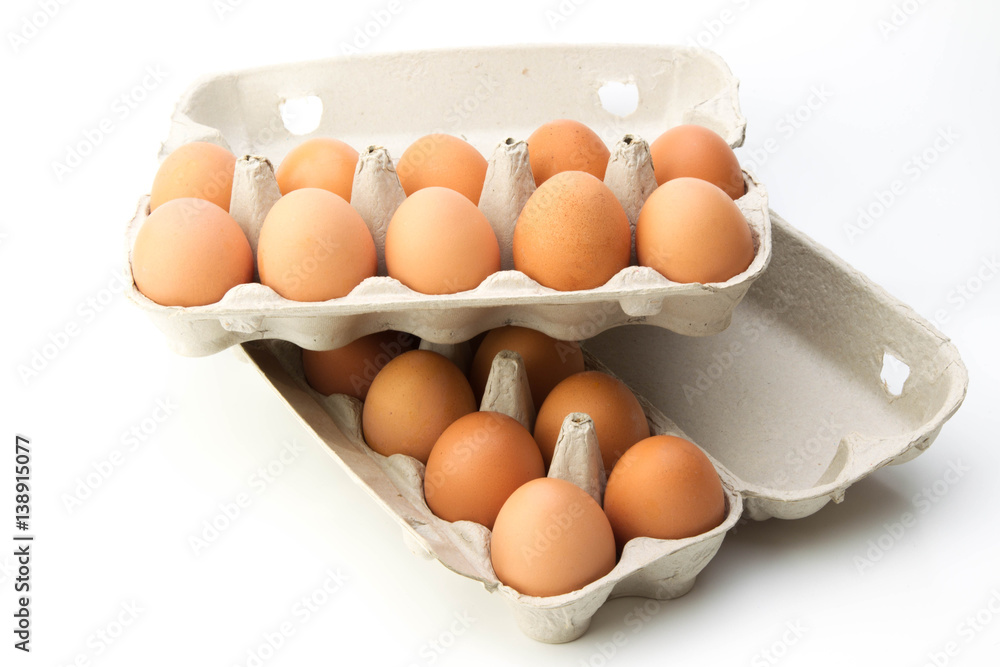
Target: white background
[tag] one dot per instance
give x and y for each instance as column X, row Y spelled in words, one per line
column 891, row 93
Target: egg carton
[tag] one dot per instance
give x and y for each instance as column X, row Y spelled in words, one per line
column 789, row 403
column 494, row 98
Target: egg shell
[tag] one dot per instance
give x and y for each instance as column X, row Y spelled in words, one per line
column 690, row 231
column 663, row 487
column 197, row 169
column 445, row 161
column 320, row 162
column 548, row 361
column 572, row 234
column 438, row 242
column 551, row 538
column 566, row 145
column 411, row 401
column 190, row 252
column 350, row 369
column 314, row 246
column 698, row 152
column 476, row 463
column 618, row 417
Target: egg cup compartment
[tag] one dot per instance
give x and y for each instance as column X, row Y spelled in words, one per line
column 788, row 404
column 248, row 113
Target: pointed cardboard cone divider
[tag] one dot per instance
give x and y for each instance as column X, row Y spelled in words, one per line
column 577, row 457
column 255, row 190
column 507, row 389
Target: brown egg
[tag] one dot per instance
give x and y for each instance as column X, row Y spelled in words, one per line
column 618, row 418
column 663, row 487
column 412, row 400
column 698, row 152
column 438, row 242
column 572, row 233
column 198, row 169
column 476, row 464
column 445, row 161
column 692, row 232
column 190, row 252
column 547, row 361
column 321, row 162
column 350, row 369
column 551, row 538
column 566, row 145
column 314, row 246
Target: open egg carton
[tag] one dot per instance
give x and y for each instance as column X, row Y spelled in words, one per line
column 494, row 98
column 789, row 403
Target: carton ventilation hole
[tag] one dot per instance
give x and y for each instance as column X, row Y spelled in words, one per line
column 618, row 98
column 301, row 115
column 894, row 374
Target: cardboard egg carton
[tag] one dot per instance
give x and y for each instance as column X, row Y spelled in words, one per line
column 494, row 98
column 790, row 404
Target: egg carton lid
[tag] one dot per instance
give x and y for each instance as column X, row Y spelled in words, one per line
column 793, row 404
column 478, row 94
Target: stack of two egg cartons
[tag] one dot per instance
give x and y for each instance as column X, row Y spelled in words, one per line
column 498, row 454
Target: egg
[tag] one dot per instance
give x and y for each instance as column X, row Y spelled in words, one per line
column 566, row 145
column 551, row 538
column 572, row 233
column 190, row 252
column 411, row 401
column 350, row 369
column 197, row 169
column 314, row 246
column 547, row 361
column 690, row 231
column 618, row 417
column 445, row 161
column 320, row 162
column 698, row 152
column 476, row 464
column 438, row 242
column 663, row 487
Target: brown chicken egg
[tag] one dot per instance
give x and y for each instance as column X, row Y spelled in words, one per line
column 698, row 152
column 547, row 361
column 350, row 369
column 551, row 538
column 439, row 242
column 314, row 246
column 320, row 162
column 663, row 487
column 572, row 233
column 692, row 232
column 476, row 464
column 566, row 145
column 445, row 161
column 411, row 401
column 190, row 252
column 618, row 417
column 197, row 169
